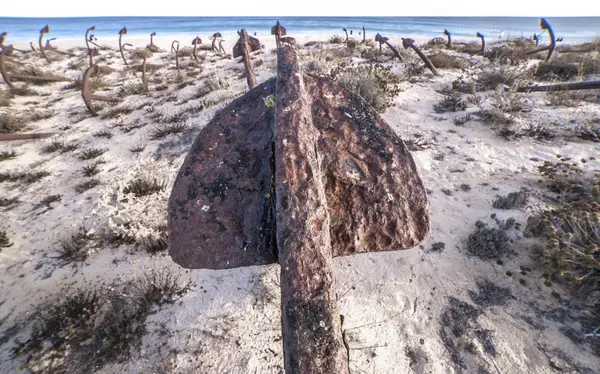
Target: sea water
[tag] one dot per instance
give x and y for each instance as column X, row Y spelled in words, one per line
column 571, row 29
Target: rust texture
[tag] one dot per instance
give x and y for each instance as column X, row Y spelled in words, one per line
column 122, row 32
column 215, row 36
column 544, row 25
column 11, row 137
column 221, row 206
column 278, row 31
column 298, row 171
column 92, row 52
column 384, row 40
column 449, row 35
column 86, row 93
column 312, row 339
column 196, row 42
column 43, row 31
column 589, row 85
column 175, row 48
column 253, row 43
column 410, row 43
column 482, row 37
column 87, row 36
column 3, row 70
column 245, row 46
column 152, row 40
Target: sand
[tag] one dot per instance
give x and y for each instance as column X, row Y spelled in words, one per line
column 397, row 306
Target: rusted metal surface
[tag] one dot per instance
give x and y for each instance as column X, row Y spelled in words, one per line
column 122, row 32
column 43, row 31
column 92, row 52
column 278, row 31
column 482, row 37
column 244, row 43
column 312, row 337
column 384, row 40
column 175, row 48
column 544, row 25
column 3, row 38
column 253, row 43
column 87, row 36
column 13, row 137
column 86, row 93
column 152, row 40
column 410, row 43
column 221, row 207
column 3, row 70
column 590, row 85
column 298, row 170
column 215, row 37
column 449, row 36
column 196, row 42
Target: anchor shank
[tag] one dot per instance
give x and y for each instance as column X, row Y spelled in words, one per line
column 311, row 322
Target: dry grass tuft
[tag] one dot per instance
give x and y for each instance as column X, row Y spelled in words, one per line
column 87, row 185
column 443, row 60
column 164, row 130
column 570, row 230
column 90, row 329
column 7, row 155
column 144, row 187
column 376, row 84
column 91, row 153
column 10, row 123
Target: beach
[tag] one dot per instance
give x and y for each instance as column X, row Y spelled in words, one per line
column 75, row 225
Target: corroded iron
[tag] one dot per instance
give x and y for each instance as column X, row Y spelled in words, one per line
column 196, row 42
column 482, row 37
column 43, row 31
column 278, row 31
column 244, row 43
column 410, row 43
column 253, row 44
column 175, row 48
column 544, row 25
column 3, row 70
column 87, row 36
column 215, row 37
column 589, row 85
column 384, row 40
column 122, row 32
column 92, row 52
column 449, row 36
column 86, row 93
column 297, row 171
column 13, row 137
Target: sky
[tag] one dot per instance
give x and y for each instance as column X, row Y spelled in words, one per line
column 90, row 8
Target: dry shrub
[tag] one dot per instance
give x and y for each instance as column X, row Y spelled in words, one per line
column 450, row 103
column 556, row 70
column 336, row 39
column 138, row 218
column 90, row 329
column 490, row 79
column 10, row 123
column 570, row 230
column 443, row 60
column 376, row 84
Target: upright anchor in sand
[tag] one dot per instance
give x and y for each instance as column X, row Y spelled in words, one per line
column 303, row 171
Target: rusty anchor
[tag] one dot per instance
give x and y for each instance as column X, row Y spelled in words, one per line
column 297, row 171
